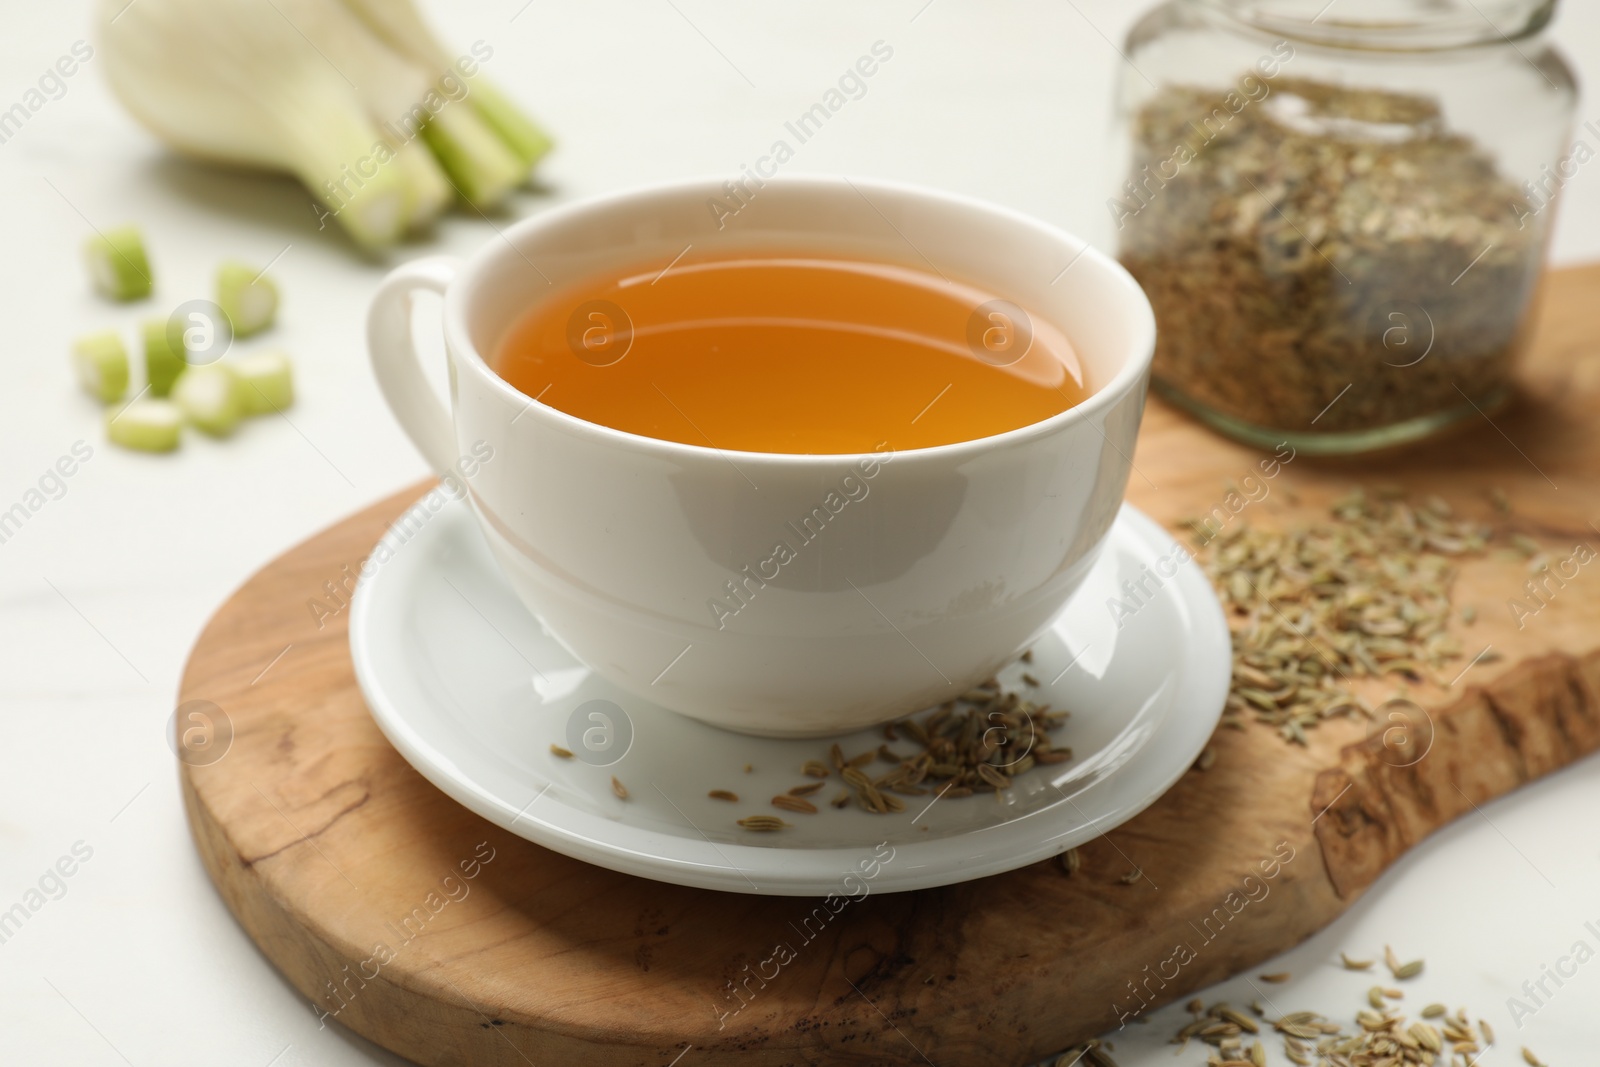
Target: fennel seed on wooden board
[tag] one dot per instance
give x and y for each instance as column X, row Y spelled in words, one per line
column 1093, row 1053
column 1314, row 609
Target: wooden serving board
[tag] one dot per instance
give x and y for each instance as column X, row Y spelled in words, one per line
column 350, row 871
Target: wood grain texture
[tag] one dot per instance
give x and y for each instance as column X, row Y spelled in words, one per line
column 352, row 872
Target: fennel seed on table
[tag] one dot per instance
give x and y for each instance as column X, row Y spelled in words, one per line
column 1381, row 1037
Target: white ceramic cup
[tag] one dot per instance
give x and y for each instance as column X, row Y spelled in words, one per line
column 914, row 574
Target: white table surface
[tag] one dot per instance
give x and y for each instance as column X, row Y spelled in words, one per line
column 103, row 590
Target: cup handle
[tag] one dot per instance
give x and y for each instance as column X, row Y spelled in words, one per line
column 422, row 414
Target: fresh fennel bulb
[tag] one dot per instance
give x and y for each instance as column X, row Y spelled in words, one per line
column 354, row 97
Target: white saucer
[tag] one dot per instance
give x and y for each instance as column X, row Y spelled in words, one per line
column 473, row 692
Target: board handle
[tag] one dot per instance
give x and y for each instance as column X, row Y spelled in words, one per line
column 422, row 414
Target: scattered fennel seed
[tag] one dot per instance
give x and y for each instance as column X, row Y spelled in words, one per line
column 1379, row 1038
column 979, row 743
column 1312, row 610
column 1094, row 1053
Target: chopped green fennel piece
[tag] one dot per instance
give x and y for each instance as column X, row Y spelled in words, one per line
column 516, row 130
column 427, row 189
column 146, row 425
column 481, row 166
column 162, row 363
column 117, row 264
column 247, row 297
column 266, row 382
column 101, row 361
column 209, row 398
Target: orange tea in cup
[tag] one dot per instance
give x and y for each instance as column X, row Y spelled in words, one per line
column 796, row 353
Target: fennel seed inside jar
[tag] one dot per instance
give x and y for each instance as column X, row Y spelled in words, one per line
column 1339, row 223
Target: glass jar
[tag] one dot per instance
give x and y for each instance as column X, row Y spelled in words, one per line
column 1339, row 208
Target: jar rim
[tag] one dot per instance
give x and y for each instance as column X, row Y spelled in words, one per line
column 1391, row 25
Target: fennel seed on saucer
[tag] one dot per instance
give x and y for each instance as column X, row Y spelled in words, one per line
column 764, row 823
column 793, row 803
column 723, row 794
column 618, row 788
column 979, row 743
column 994, row 777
